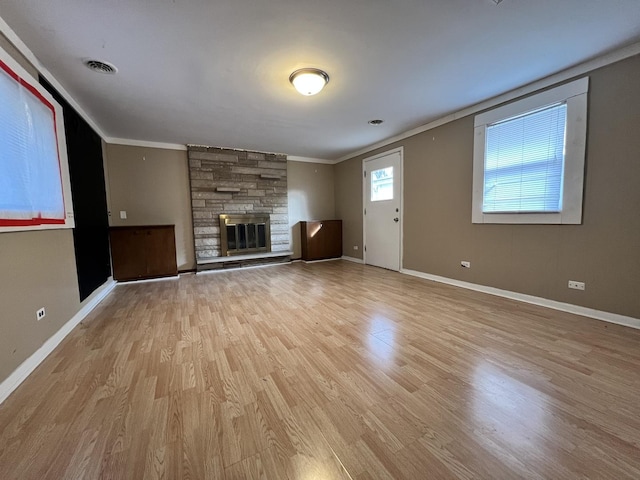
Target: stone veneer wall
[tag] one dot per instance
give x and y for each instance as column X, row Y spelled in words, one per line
column 211, row 168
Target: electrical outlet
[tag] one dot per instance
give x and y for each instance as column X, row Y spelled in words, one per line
column 123, row 214
column 576, row 285
column 355, row 247
column 40, row 314
column 465, row 264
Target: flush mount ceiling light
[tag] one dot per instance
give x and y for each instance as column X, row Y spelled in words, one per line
column 309, row 81
column 100, row 66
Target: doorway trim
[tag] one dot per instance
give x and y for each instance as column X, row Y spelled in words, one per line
column 399, row 150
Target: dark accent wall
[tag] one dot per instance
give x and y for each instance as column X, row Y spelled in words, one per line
column 86, row 171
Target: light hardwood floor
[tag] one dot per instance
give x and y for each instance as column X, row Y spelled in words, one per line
column 327, row 371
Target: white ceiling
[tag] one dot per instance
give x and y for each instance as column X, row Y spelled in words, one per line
column 216, row 72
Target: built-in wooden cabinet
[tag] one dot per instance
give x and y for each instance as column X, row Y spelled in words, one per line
column 321, row 239
column 147, row 251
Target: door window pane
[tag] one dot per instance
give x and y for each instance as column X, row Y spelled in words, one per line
column 382, row 184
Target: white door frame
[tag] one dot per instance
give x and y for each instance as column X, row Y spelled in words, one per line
column 399, row 150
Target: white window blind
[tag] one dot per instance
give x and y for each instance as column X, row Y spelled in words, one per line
column 524, row 162
column 31, row 189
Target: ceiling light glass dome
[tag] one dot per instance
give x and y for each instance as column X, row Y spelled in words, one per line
column 309, row 81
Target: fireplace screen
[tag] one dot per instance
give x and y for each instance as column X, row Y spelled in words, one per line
column 243, row 234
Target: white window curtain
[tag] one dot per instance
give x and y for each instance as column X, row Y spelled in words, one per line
column 524, row 162
column 30, row 176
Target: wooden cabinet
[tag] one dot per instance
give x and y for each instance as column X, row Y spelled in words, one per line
column 321, row 239
column 143, row 252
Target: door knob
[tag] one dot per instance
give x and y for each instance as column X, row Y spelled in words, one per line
column 396, row 219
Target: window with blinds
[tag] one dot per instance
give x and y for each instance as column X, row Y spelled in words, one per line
column 32, row 176
column 524, row 162
column 528, row 164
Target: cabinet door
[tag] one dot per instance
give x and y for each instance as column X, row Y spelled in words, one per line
column 129, row 254
column 161, row 251
column 321, row 240
column 313, row 240
column 332, row 239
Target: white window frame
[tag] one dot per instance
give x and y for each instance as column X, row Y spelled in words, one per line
column 68, row 221
column 575, row 95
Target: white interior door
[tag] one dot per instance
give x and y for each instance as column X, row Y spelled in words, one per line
column 383, row 210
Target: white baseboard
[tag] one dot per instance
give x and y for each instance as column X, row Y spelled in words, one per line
column 149, row 280
column 237, row 269
column 352, row 259
column 18, row 376
column 521, row 297
column 322, row 260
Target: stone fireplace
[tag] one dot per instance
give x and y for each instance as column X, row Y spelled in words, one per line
column 234, row 183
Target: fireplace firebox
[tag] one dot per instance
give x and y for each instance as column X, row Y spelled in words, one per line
column 244, row 234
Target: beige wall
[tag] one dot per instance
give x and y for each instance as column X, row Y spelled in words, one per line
column 538, row 260
column 311, row 197
column 37, row 269
column 348, row 176
column 152, row 186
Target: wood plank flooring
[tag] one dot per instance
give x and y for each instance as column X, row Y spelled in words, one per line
column 327, row 371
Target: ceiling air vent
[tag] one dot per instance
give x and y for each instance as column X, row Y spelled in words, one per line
column 100, row 67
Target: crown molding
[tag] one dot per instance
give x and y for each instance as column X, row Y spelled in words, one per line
column 144, row 143
column 293, row 158
column 575, row 71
